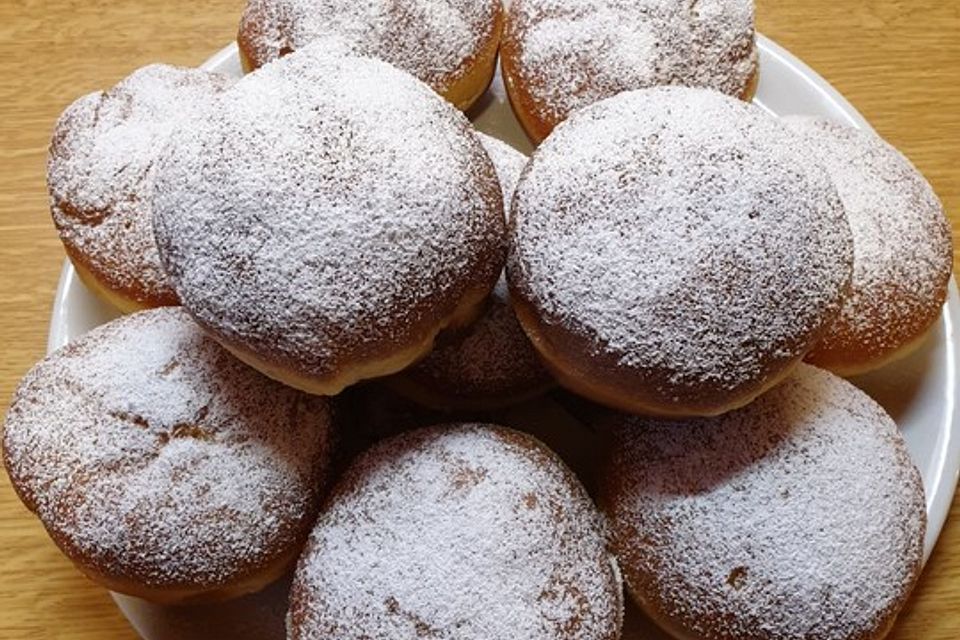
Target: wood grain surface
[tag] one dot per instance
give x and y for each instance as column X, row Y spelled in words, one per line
column 897, row 61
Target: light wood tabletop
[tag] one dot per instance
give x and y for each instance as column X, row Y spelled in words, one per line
column 897, row 61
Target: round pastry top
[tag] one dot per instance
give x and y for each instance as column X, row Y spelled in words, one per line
column 330, row 210
column 744, row 525
column 902, row 245
column 458, row 531
column 571, row 53
column 679, row 234
column 152, row 455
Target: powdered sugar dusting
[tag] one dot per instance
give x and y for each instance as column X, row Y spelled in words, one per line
column 903, row 253
column 433, row 40
column 493, row 358
column 571, row 53
column 151, row 454
column 508, row 163
column 459, row 532
column 328, row 211
column 101, row 167
column 743, row 526
column 681, row 233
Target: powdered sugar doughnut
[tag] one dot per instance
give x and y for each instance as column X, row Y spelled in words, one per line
column 161, row 465
column 674, row 253
column 99, row 174
column 449, row 44
column 903, row 253
column 742, row 526
column 491, row 363
column 560, row 55
column 461, row 531
column 329, row 219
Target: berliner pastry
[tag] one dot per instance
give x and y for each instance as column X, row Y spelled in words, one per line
column 163, row 467
column 561, row 55
column 491, row 364
column 100, row 171
column 460, row 531
column 449, row 44
column 902, row 249
column 674, row 253
column 741, row 527
column 328, row 219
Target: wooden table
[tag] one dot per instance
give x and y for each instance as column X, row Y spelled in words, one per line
column 896, row 60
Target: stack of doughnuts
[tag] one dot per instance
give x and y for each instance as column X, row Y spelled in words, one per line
column 340, row 262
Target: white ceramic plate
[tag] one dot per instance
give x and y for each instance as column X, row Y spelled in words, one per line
column 918, row 392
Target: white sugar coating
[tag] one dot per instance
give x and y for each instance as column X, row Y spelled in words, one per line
column 151, row 454
column 508, row 163
column 902, row 246
column 571, row 53
column 681, row 235
column 433, row 40
column 463, row 532
column 101, row 166
column 799, row 517
column 494, row 356
column 331, row 210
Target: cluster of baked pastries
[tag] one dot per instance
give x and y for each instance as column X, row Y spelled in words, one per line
column 331, row 220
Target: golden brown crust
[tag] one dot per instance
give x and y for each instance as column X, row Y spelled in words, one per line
column 532, row 117
column 374, row 364
column 844, row 352
column 576, row 364
column 123, row 303
column 479, row 69
column 190, row 594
